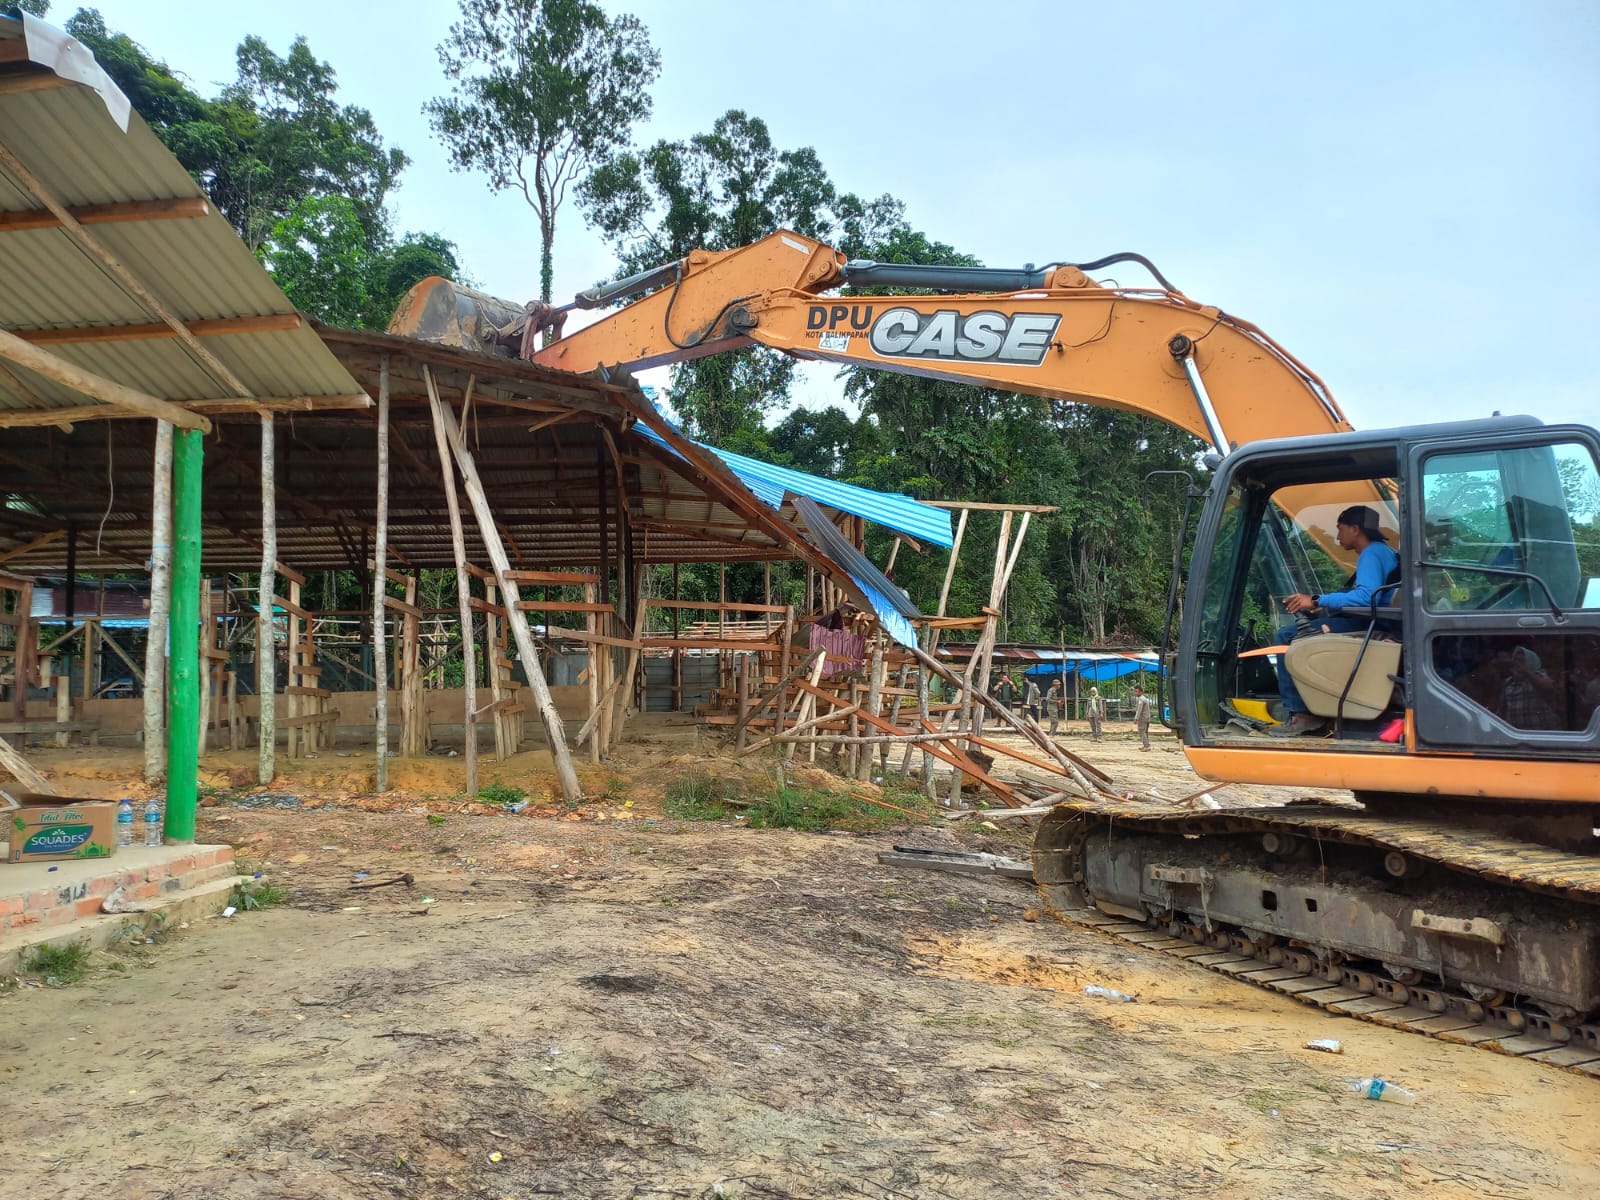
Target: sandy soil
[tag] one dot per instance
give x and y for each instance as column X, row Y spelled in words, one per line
column 607, row 1003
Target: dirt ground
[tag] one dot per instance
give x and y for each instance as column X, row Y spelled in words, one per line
column 608, row 1003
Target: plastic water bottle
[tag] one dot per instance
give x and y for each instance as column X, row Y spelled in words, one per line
column 1106, row 993
column 152, row 822
column 1382, row 1089
column 125, row 823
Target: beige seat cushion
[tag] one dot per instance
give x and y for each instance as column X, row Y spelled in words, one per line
column 1320, row 665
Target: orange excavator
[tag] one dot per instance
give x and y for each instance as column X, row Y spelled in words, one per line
column 1459, row 896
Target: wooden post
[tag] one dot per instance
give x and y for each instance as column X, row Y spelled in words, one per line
column 155, row 648
column 207, row 664
column 591, row 622
column 571, row 789
column 413, row 717
column 743, row 704
column 63, row 708
column 874, row 700
column 266, row 625
column 497, row 690
column 235, row 734
column 677, row 652
column 469, row 651
column 380, row 554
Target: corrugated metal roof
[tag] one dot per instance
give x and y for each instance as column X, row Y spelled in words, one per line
column 195, row 266
column 771, row 483
column 893, row 607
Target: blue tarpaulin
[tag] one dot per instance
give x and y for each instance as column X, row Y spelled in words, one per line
column 1096, row 668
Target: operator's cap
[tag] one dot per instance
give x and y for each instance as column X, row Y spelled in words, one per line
column 1363, row 517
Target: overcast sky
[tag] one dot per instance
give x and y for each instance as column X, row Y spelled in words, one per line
column 1405, row 195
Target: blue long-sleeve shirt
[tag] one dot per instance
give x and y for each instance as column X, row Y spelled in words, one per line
column 1372, row 571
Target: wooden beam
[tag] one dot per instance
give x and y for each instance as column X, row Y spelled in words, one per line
column 15, row 419
column 550, row 718
column 31, row 81
column 20, row 768
column 211, row 327
column 14, row 349
column 174, row 208
column 380, row 655
column 44, row 539
column 984, row 506
column 605, row 639
column 147, row 299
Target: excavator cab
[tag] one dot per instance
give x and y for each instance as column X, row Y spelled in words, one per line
column 1487, row 643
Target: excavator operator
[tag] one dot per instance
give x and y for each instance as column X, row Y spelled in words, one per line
column 1377, row 565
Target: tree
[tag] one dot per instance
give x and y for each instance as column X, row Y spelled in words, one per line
column 274, row 136
column 714, row 191
column 34, row 8
column 544, row 90
column 320, row 255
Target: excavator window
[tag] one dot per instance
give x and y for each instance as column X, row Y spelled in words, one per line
column 1515, row 531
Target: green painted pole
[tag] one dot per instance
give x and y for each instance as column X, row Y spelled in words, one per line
column 183, row 638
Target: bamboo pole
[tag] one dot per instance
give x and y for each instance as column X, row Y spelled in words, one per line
column 63, row 707
column 554, row 731
column 155, row 649
column 266, row 640
column 380, row 581
column 469, row 650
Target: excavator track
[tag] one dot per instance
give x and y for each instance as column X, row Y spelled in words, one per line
column 1181, row 857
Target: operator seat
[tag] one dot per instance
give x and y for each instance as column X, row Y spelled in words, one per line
column 1322, row 664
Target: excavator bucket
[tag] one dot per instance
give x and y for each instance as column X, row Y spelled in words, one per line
column 439, row 311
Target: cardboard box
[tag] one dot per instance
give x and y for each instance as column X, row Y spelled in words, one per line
column 46, row 827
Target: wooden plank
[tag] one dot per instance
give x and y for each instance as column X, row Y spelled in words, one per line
column 146, row 331
column 552, row 577
column 21, row 770
column 400, row 606
column 295, row 689
column 716, row 605
column 481, row 605
column 658, row 643
column 985, row 506
column 70, row 375
column 289, row 573
column 583, row 635
column 173, row 208
column 289, row 606
column 90, row 725
column 565, row 606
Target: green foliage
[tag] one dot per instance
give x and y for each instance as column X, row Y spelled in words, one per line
column 34, row 8
column 543, row 91
column 436, row 818
column 788, row 806
column 58, row 964
column 321, row 255
column 503, row 794
column 252, row 894
column 698, row 797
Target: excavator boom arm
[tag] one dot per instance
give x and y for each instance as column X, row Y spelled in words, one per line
column 1153, row 352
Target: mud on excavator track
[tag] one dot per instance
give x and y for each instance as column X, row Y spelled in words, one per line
column 1443, row 930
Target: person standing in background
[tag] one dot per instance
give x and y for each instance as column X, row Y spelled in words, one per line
column 1141, row 716
column 1032, row 700
column 1096, row 713
column 1054, row 700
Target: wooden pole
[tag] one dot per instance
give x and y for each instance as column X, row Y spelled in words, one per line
column 874, row 700
column 554, row 732
column 677, row 652
column 380, row 581
column 469, row 649
column 597, row 653
column 208, row 628
column 266, row 625
column 63, row 708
